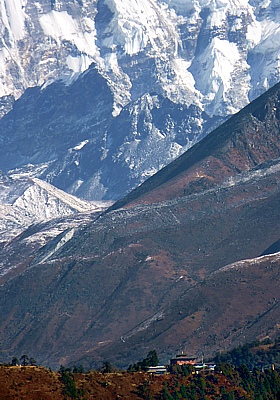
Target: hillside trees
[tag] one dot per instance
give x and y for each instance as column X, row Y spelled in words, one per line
column 24, row 361
column 15, row 361
column 151, row 360
column 24, row 358
column 261, row 354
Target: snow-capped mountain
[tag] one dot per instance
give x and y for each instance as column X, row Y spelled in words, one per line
column 25, row 201
column 164, row 73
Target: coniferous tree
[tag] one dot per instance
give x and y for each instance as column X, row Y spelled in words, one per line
column 24, row 358
column 15, row 361
column 32, row 361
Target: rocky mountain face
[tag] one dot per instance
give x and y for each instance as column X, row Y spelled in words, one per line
column 183, row 263
column 102, row 94
column 25, row 201
column 254, row 140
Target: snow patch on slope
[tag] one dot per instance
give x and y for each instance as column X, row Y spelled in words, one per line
column 44, row 201
column 149, row 26
column 217, row 65
column 144, row 325
column 80, row 145
column 27, row 201
column 249, row 262
column 142, row 22
column 13, row 17
column 63, row 240
column 61, row 26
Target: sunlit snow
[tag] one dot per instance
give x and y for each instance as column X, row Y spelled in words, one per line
column 13, row 16
column 61, row 26
column 214, row 54
column 69, row 38
column 80, row 145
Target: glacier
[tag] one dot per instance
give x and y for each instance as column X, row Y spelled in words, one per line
column 49, row 40
column 167, row 72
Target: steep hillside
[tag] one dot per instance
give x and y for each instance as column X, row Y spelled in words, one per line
column 235, row 305
column 246, row 140
column 168, row 274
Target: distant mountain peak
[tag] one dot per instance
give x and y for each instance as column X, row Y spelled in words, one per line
column 25, row 201
column 78, row 68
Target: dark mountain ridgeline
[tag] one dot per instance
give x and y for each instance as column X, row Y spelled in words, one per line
column 274, row 248
column 246, row 140
column 71, row 129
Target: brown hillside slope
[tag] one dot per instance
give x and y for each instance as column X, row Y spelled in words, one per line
column 34, row 383
column 125, row 271
column 237, row 304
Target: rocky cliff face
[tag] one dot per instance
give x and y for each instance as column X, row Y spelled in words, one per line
column 182, row 49
column 165, row 74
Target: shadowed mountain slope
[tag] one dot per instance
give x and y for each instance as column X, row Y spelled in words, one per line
column 274, row 248
column 152, row 275
column 249, row 138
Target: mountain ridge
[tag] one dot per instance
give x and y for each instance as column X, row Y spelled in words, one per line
column 133, row 269
column 167, row 73
column 201, row 154
column 26, row 201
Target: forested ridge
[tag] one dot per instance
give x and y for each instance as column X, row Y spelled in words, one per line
column 246, row 372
